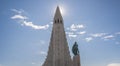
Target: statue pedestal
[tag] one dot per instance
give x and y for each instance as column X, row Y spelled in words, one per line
column 76, row 60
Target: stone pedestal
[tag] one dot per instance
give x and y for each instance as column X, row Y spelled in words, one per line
column 76, row 60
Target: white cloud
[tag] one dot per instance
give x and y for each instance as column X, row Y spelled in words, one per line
column 114, row 64
column 23, row 20
column 74, row 27
column 108, row 37
column 82, row 32
column 88, row 39
column 18, row 11
column 69, row 33
column 72, row 35
column 98, row 34
column 18, row 16
column 30, row 24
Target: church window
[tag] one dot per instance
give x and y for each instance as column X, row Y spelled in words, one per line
column 58, row 20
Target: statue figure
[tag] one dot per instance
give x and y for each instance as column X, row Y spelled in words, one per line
column 75, row 49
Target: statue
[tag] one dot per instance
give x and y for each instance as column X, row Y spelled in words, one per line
column 75, row 49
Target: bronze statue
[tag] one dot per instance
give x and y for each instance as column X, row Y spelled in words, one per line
column 75, row 49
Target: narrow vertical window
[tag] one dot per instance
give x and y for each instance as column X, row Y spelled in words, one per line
column 58, row 20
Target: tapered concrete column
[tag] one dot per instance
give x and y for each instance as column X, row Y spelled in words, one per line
column 58, row 53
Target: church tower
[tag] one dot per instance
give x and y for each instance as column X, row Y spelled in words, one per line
column 58, row 53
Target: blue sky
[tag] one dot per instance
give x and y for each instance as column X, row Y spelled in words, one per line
column 25, row 29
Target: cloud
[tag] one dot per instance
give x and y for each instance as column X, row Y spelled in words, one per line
column 73, row 30
column 69, row 33
column 108, row 37
column 82, row 32
column 88, row 39
column 114, row 64
column 75, row 27
column 18, row 16
column 17, row 11
column 98, row 35
column 30, row 24
column 25, row 22
column 72, row 35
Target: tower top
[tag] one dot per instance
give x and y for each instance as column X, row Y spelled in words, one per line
column 58, row 14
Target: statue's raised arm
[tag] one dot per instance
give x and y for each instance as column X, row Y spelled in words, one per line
column 75, row 49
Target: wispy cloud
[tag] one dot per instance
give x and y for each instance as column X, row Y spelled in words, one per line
column 72, row 36
column 88, row 39
column 75, row 27
column 114, row 64
column 81, row 33
column 19, row 16
column 25, row 22
column 108, row 37
column 69, row 33
column 98, row 35
column 74, row 30
column 30, row 24
column 17, row 11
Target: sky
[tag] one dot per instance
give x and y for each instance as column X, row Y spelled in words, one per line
column 25, row 30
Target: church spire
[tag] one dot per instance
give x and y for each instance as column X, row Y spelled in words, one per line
column 58, row 16
column 58, row 53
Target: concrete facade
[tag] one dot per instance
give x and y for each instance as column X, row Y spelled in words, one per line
column 76, row 60
column 58, row 53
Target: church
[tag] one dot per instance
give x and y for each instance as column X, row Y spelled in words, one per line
column 58, row 52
